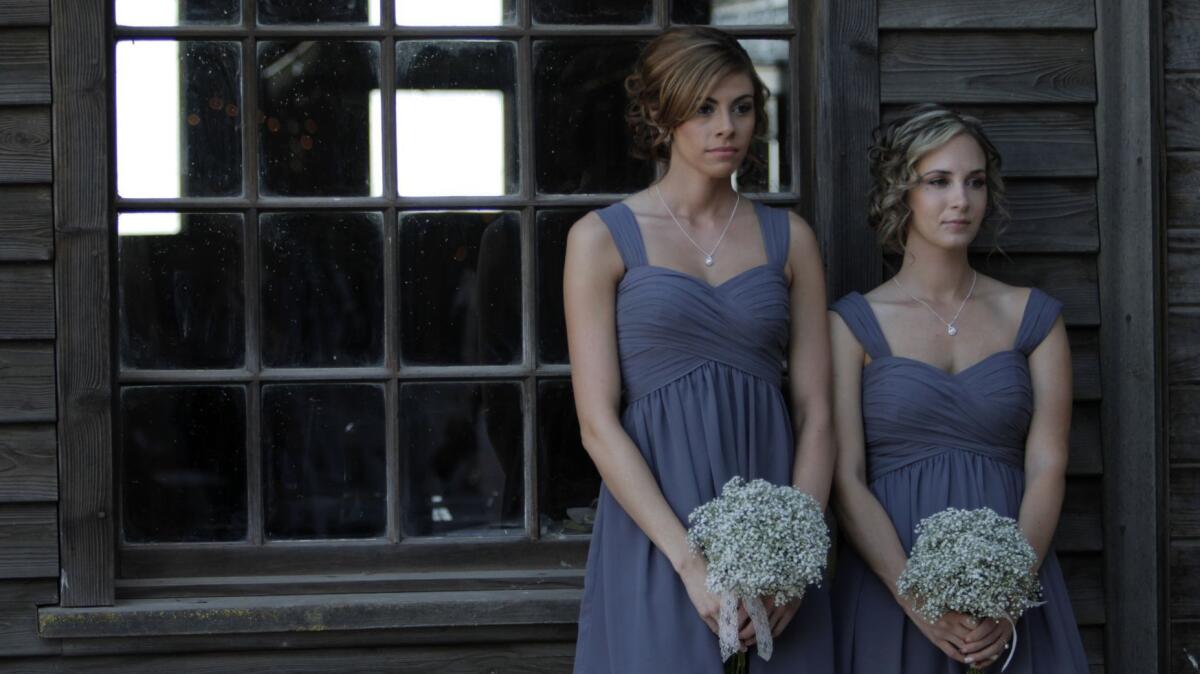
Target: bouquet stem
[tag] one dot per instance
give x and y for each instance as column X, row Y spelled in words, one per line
column 973, row 670
column 737, row 663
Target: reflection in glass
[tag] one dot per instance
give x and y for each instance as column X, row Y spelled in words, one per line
column 180, row 293
column 456, row 122
column 457, row 13
column 772, row 170
column 462, row 470
column 319, row 121
column 183, row 463
column 730, row 12
column 324, row 461
column 581, row 141
column 591, row 12
column 179, row 118
column 168, row 12
column 460, row 288
column 322, row 289
column 552, row 227
column 272, row 12
column 567, row 479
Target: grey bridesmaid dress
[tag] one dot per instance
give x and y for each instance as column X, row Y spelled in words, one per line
column 936, row 440
column 701, row 368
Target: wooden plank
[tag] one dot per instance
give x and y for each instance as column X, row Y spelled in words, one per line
column 26, row 223
column 1183, row 267
column 1085, row 364
column 80, row 46
column 518, row 658
column 1084, row 574
column 1185, row 579
column 1080, row 527
column 986, row 14
column 1184, row 515
column 19, row 600
column 1181, row 34
column 846, row 110
column 312, row 613
column 28, row 544
column 1185, row 423
column 1047, row 216
column 1086, row 456
column 1183, row 189
column 26, row 382
column 1181, row 110
column 24, row 12
column 1131, row 411
column 1036, row 142
column 1185, row 646
column 28, row 465
column 24, row 66
column 1069, row 279
column 1183, row 349
column 979, row 67
column 1093, row 644
column 26, row 301
column 24, row 145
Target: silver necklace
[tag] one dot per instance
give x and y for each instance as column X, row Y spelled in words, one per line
column 708, row 255
column 950, row 329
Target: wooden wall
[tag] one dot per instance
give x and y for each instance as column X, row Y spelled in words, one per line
column 28, row 469
column 1027, row 70
column 1181, row 52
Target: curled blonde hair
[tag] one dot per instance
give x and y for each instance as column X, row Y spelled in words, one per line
column 671, row 78
column 894, row 156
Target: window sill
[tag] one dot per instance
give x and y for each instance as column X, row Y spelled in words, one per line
column 313, row 613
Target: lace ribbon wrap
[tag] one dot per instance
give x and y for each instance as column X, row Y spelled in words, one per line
column 728, row 626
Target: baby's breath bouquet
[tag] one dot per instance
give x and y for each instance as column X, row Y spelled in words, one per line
column 760, row 539
column 974, row 562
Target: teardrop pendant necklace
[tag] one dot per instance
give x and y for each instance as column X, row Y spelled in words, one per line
column 709, row 259
column 950, row 327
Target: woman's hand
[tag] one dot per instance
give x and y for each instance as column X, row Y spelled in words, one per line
column 950, row 633
column 986, row 643
column 780, row 617
column 694, row 574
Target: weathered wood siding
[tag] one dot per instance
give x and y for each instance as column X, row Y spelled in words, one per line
column 28, row 466
column 1028, row 71
column 1181, row 111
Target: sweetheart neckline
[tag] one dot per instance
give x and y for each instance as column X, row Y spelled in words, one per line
column 699, row 280
column 935, row 368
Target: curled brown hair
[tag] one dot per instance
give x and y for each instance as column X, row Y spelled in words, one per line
column 897, row 149
column 671, row 78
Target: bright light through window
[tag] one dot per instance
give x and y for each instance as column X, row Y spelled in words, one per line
column 148, row 123
column 450, row 143
column 147, row 12
column 149, row 224
column 453, row 13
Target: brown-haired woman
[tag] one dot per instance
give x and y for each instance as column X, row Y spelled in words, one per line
column 682, row 301
column 951, row 390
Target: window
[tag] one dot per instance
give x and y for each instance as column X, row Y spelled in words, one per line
column 340, row 230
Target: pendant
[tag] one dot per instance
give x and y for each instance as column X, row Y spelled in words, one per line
column 951, row 330
column 708, row 261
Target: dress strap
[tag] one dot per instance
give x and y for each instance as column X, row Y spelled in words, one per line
column 776, row 232
column 623, row 227
column 860, row 318
column 1041, row 311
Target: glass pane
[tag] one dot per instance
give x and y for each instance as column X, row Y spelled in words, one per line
column 180, row 292
column 589, row 11
column 582, row 142
column 456, row 118
column 457, row 13
column 460, row 288
column 552, row 227
column 567, row 479
column 183, row 463
column 730, row 12
column 318, row 11
column 324, row 461
column 177, row 12
column 773, row 170
column 179, row 119
column 322, row 289
column 463, row 472
column 320, row 119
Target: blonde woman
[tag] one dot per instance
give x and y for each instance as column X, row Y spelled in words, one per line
column 951, row 389
column 682, row 302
